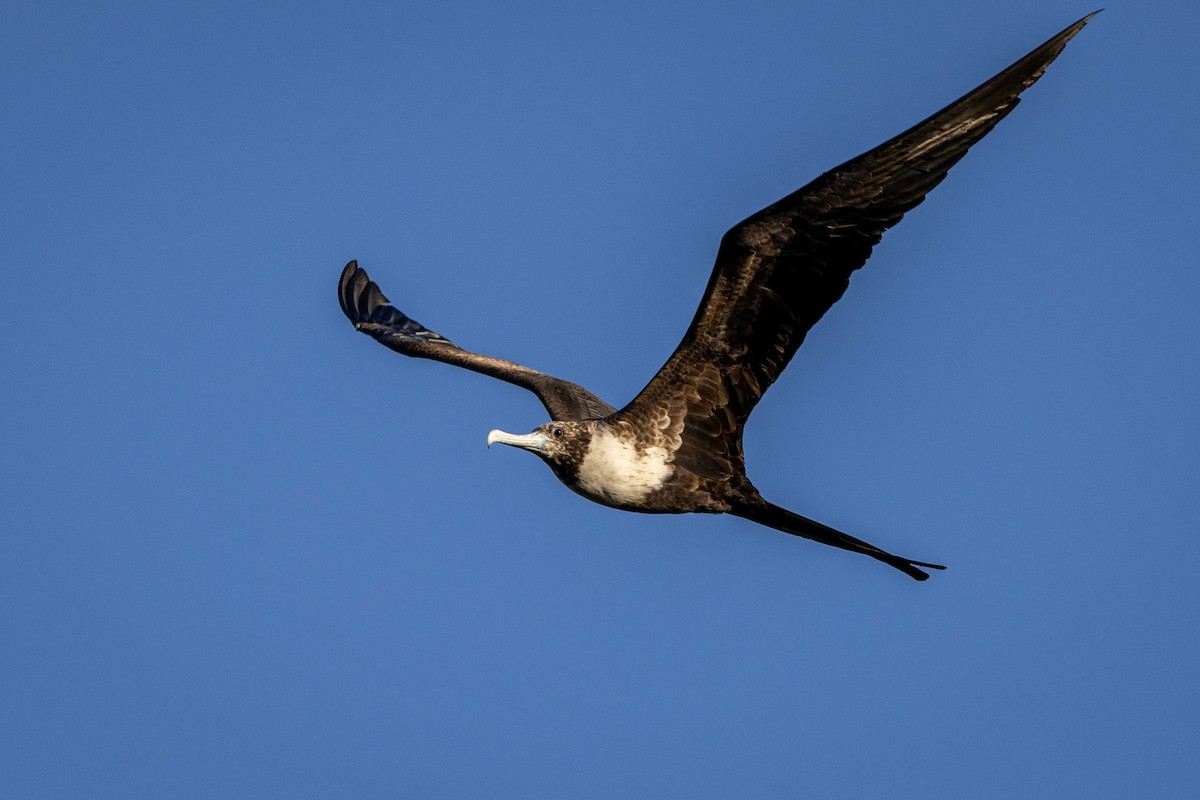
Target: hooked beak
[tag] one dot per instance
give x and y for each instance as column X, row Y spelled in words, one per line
column 534, row 442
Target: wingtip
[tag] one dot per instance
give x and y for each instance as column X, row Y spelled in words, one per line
column 1075, row 28
column 358, row 295
column 1054, row 46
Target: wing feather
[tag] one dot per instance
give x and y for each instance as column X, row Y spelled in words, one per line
column 366, row 306
column 778, row 271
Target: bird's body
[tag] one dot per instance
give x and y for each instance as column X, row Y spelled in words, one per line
column 677, row 446
column 612, row 462
column 620, row 471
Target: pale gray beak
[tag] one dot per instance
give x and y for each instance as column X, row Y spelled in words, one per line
column 535, row 442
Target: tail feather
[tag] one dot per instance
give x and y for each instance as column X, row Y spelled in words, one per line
column 783, row 520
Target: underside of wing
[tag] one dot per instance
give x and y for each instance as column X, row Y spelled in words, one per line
column 365, row 305
column 781, row 269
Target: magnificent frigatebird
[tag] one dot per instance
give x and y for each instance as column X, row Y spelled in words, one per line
column 677, row 446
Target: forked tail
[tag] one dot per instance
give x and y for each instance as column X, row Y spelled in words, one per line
column 783, row 520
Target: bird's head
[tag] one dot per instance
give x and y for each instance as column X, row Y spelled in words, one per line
column 561, row 444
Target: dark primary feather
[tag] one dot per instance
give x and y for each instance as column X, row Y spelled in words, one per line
column 364, row 304
column 781, row 269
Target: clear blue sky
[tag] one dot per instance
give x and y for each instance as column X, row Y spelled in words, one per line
column 247, row 552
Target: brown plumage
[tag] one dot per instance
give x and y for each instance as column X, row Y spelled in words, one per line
column 677, row 447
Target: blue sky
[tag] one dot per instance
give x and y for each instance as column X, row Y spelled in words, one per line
column 247, row 552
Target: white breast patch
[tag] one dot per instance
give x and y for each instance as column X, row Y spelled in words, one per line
column 614, row 473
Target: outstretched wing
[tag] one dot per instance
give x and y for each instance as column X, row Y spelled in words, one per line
column 780, row 270
column 371, row 313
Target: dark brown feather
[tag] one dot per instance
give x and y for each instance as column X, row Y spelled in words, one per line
column 781, row 269
column 781, row 519
column 364, row 304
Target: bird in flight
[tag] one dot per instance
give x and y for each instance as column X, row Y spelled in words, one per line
column 677, row 446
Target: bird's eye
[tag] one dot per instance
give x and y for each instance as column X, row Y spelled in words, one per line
column 556, row 432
